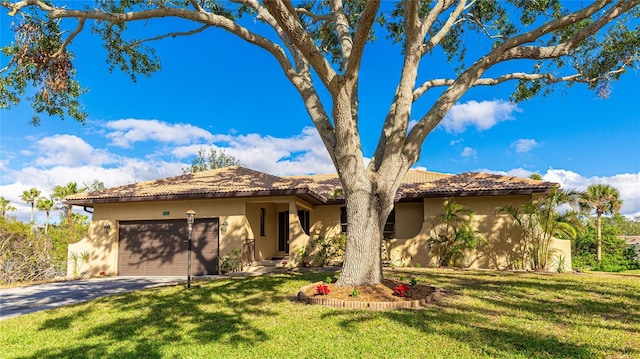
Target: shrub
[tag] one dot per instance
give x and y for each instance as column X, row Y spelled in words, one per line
column 329, row 250
column 24, row 253
column 231, row 262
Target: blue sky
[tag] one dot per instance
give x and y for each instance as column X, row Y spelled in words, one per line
column 214, row 90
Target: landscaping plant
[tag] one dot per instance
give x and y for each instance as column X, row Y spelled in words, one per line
column 454, row 233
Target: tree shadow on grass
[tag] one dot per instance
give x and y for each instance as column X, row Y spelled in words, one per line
column 148, row 323
column 507, row 314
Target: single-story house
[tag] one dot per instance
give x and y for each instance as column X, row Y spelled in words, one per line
column 141, row 228
column 633, row 241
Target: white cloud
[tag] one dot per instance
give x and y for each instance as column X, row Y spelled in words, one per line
column 483, row 115
column 455, row 142
column 468, row 152
column 63, row 158
column 129, row 131
column 627, row 183
column 299, row 154
column 68, row 150
column 524, row 145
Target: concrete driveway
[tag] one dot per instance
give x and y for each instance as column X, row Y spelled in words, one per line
column 24, row 300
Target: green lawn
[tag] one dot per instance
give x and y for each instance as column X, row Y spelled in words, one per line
column 485, row 314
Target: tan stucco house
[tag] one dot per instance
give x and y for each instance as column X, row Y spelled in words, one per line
column 141, row 228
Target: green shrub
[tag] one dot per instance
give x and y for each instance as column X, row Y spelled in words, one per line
column 231, row 262
column 327, row 250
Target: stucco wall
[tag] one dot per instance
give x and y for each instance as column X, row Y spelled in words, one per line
column 499, row 249
column 500, row 246
column 265, row 246
column 325, row 221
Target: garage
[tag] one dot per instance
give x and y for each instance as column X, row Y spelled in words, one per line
column 159, row 247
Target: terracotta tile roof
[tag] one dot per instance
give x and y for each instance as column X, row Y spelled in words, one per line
column 475, row 184
column 239, row 181
column 232, row 181
column 323, row 185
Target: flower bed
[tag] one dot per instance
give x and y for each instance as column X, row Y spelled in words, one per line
column 383, row 296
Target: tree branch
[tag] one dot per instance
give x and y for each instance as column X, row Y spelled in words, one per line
column 469, row 77
column 301, row 79
column 197, row 6
column 365, row 22
column 284, row 14
column 171, row 34
column 497, row 80
column 314, row 17
column 70, row 38
column 343, row 30
column 540, row 53
column 451, row 20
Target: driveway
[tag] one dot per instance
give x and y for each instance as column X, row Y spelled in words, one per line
column 24, row 300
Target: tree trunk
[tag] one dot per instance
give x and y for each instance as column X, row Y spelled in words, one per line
column 362, row 259
column 599, row 235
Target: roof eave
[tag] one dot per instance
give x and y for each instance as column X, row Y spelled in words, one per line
column 412, row 196
column 310, row 196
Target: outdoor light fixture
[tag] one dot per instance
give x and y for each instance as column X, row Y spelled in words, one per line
column 107, row 227
column 191, row 216
column 223, row 227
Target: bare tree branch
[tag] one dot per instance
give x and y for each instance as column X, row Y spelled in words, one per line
column 343, row 30
column 171, row 34
column 284, row 14
column 197, row 6
column 70, row 38
column 497, row 80
column 314, row 17
column 451, row 20
column 301, row 78
column 361, row 36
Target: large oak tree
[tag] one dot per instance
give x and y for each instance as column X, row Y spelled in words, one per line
column 320, row 46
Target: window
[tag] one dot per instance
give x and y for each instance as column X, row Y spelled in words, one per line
column 262, row 221
column 390, row 226
column 303, row 216
column 344, row 223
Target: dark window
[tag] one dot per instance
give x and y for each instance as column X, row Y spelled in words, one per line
column 390, row 226
column 262, row 221
column 303, row 216
column 344, row 223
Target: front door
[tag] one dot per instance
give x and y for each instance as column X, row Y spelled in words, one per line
column 283, row 232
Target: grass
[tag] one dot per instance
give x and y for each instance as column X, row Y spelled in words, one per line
column 484, row 315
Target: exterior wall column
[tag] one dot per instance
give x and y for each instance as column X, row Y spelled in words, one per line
column 297, row 237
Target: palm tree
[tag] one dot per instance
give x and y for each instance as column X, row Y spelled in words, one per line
column 603, row 199
column 5, row 207
column 60, row 192
column 540, row 221
column 30, row 197
column 45, row 205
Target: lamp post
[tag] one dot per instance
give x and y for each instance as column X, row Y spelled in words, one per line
column 191, row 215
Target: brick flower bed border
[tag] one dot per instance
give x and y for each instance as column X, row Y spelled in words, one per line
column 436, row 293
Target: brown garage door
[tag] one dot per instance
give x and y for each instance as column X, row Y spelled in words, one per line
column 159, row 247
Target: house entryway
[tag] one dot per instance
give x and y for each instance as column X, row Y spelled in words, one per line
column 283, row 232
column 159, row 247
